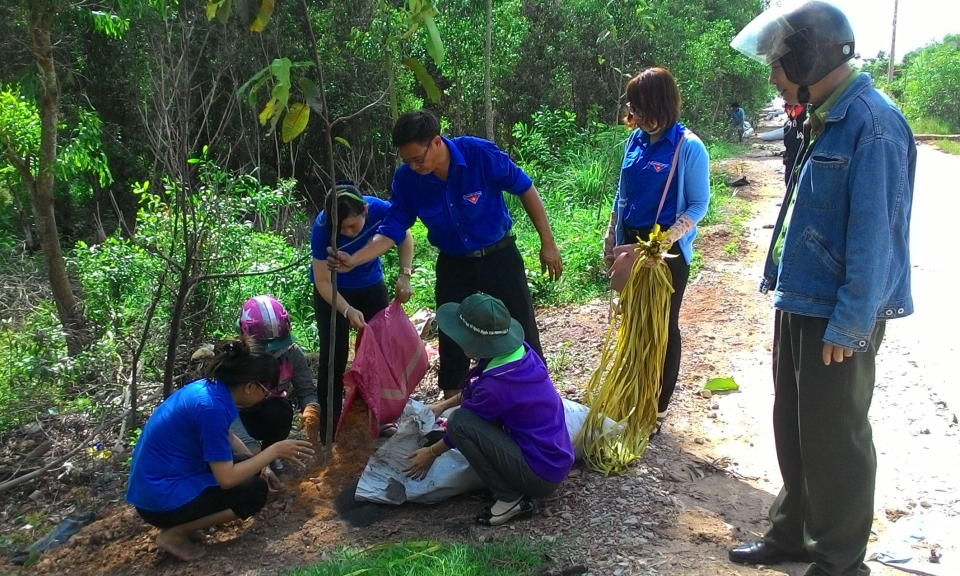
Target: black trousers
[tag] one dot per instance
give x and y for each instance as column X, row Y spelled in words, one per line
column 501, row 275
column 680, row 271
column 245, row 500
column 269, row 421
column 368, row 301
column 824, row 446
column 496, row 458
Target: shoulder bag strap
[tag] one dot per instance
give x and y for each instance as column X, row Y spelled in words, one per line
column 673, row 168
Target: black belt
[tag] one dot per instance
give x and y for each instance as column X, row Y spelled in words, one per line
column 508, row 240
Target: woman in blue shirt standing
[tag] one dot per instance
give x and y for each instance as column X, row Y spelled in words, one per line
column 183, row 474
column 653, row 114
column 361, row 291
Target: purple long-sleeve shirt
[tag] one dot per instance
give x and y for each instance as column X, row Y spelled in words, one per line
column 520, row 396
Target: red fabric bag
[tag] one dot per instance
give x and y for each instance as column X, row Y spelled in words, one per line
column 389, row 361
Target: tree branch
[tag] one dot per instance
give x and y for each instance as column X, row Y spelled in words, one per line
column 360, row 111
column 206, row 277
column 22, row 166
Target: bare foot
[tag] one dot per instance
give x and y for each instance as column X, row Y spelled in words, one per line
column 198, row 537
column 178, row 545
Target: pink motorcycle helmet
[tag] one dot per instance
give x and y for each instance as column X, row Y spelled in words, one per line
column 264, row 318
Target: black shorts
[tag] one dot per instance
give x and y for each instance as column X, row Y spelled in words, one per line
column 245, row 500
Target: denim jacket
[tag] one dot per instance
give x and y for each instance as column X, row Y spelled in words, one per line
column 846, row 254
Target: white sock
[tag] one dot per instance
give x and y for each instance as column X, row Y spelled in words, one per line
column 501, row 507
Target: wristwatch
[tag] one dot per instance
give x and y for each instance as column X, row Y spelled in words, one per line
column 406, row 271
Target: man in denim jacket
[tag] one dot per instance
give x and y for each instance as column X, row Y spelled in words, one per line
column 839, row 268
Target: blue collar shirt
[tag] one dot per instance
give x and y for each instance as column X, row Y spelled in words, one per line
column 643, row 176
column 363, row 275
column 466, row 212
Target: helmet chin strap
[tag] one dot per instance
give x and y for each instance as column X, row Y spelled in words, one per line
column 803, row 95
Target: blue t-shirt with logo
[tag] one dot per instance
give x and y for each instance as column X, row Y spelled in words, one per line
column 366, row 274
column 190, row 429
column 466, row 212
column 643, row 176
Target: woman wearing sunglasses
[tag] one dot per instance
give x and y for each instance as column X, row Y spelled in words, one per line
column 664, row 180
column 361, row 291
column 184, row 476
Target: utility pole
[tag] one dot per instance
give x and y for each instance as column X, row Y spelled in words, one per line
column 893, row 43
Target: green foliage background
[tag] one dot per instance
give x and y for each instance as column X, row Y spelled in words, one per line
column 558, row 72
column 926, row 85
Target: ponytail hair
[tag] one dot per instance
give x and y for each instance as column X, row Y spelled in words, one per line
column 243, row 360
column 349, row 202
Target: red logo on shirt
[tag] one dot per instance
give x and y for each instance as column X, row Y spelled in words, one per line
column 658, row 166
column 473, row 197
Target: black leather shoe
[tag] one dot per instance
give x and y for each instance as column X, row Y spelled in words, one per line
column 760, row 552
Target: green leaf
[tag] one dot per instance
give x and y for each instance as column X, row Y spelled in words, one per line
column 224, row 11
column 721, row 385
column 433, row 93
column 281, row 70
column 342, row 141
column 255, row 89
column 282, row 93
column 212, row 6
column 277, row 112
column 295, row 121
column 309, row 87
column 263, row 17
column 268, row 111
column 434, row 43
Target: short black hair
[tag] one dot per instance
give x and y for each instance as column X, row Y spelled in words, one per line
column 419, row 126
column 734, row 104
column 349, row 200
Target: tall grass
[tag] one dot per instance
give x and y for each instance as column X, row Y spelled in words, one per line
column 948, row 146
column 929, row 126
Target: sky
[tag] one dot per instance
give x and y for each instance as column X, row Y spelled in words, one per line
column 918, row 23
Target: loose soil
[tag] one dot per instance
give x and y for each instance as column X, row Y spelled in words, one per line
column 704, row 483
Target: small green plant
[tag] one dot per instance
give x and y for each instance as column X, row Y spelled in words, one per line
column 559, row 362
column 696, row 264
column 732, row 248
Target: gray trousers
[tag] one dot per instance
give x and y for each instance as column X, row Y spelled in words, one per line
column 495, row 457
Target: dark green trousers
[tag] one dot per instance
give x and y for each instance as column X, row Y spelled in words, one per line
column 824, row 446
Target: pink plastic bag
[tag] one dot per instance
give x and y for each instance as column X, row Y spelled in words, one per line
column 389, row 362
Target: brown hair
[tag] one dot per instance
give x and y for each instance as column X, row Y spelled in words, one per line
column 653, row 96
column 243, row 360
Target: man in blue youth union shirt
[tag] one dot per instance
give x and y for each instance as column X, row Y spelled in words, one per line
column 455, row 186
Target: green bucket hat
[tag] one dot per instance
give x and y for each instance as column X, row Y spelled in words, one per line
column 481, row 325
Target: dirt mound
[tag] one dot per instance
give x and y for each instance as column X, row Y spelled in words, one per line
column 320, row 487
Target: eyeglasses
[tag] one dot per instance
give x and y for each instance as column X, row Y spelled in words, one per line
column 266, row 391
column 419, row 160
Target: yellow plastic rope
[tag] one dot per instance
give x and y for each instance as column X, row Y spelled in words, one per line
column 626, row 385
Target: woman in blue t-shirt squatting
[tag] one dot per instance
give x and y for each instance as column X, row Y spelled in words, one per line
column 361, row 291
column 184, row 476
